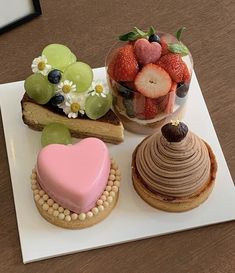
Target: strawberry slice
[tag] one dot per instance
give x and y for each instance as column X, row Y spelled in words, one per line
column 173, row 64
column 186, row 74
column 123, row 66
column 171, row 100
column 153, row 81
column 145, row 108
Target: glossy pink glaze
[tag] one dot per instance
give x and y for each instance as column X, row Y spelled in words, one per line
column 74, row 175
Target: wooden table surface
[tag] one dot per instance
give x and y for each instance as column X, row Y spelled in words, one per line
column 89, row 28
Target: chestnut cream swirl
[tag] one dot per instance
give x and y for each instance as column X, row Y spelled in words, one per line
column 175, row 169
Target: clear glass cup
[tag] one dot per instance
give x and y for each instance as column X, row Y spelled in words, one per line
column 129, row 104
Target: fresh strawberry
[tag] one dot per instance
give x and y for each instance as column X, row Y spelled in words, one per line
column 173, row 86
column 145, row 108
column 153, row 81
column 150, row 110
column 186, row 74
column 173, row 64
column 124, row 66
column 161, row 104
column 164, row 47
column 147, row 52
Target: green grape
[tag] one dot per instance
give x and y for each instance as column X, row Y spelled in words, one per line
column 55, row 133
column 96, row 107
column 73, row 58
column 80, row 74
column 58, row 56
column 39, row 88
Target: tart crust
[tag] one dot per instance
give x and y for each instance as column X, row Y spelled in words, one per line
column 174, row 204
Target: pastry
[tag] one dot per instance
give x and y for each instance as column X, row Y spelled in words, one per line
column 174, row 170
column 72, row 188
column 149, row 73
column 62, row 90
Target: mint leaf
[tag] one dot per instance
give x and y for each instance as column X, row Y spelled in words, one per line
column 130, row 36
column 179, row 33
column 140, row 32
column 151, row 31
column 178, row 48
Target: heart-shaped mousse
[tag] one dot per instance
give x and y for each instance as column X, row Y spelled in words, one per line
column 147, row 52
column 74, row 175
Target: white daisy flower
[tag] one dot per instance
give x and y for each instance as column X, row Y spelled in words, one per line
column 99, row 89
column 66, row 87
column 73, row 105
column 40, row 65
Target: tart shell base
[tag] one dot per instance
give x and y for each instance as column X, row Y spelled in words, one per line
column 77, row 224
column 167, row 203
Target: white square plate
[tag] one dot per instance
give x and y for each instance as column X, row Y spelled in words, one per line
column 132, row 219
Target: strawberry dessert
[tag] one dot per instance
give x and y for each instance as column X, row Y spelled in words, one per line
column 149, row 74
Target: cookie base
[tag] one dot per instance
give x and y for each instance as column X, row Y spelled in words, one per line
column 167, row 203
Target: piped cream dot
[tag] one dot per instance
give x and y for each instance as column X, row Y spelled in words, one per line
column 118, row 172
column 61, row 216
column 115, row 188
column 105, row 204
column 55, row 206
column 115, row 166
column 56, row 213
column 89, row 214
column 116, row 183
column 103, row 197
column 112, row 193
column 36, row 197
column 106, row 193
column 99, row 202
column 45, row 197
column 112, row 171
column 68, row 218
column 34, row 181
column 50, row 202
column 112, row 177
column 82, row 216
column 95, row 210
column 110, row 199
column 41, row 201
column 34, row 187
column 74, row 216
column 100, row 208
column 36, row 191
column 108, row 188
column 41, row 192
column 45, row 206
column 61, row 209
column 50, row 210
column 110, row 183
column 118, row 178
column 66, row 212
column 33, row 176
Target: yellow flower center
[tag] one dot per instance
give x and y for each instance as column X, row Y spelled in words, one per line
column 66, row 89
column 75, row 107
column 99, row 88
column 41, row 66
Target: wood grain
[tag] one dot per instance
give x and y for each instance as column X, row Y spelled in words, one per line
column 89, row 28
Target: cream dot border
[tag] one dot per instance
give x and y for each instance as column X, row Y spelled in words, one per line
column 63, row 217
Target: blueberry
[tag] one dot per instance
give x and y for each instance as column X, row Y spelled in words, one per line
column 57, row 99
column 54, row 76
column 154, row 38
column 182, row 89
column 129, row 107
column 125, row 92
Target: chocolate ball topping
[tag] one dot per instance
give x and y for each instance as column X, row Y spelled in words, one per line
column 174, row 131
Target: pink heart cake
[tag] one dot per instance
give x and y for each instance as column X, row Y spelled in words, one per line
column 75, row 182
